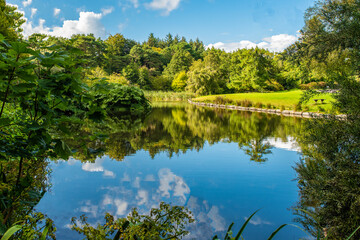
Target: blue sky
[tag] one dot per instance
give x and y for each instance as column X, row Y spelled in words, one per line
column 227, row 24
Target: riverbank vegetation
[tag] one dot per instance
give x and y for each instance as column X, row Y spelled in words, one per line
column 285, row 100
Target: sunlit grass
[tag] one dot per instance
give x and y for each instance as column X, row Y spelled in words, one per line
column 284, row 99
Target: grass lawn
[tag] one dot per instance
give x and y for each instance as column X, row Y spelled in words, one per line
column 287, row 99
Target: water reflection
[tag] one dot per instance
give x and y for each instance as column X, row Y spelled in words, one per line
column 328, row 178
column 180, row 128
column 204, row 159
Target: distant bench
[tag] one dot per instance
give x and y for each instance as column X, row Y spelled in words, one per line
column 322, row 100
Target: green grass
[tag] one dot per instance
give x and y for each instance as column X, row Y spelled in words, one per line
column 154, row 96
column 285, row 99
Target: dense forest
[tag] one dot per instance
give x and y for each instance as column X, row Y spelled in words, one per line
column 176, row 64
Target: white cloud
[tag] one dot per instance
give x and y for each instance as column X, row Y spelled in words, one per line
column 126, row 178
column 135, row 3
column 106, row 11
column 217, row 221
column 56, row 11
column 33, row 12
column 121, row 207
column 97, row 167
column 257, row 221
column 26, row 3
column 89, row 209
column 93, row 167
column 166, row 5
column 149, row 178
column 88, row 22
column 171, row 182
column 110, row 174
column 143, row 197
column 136, row 183
column 276, row 43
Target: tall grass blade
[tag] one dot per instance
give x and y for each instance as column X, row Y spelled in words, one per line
column 227, row 233
column 244, row 225
column 353, row 233
column 276, row 231
column 11, row 232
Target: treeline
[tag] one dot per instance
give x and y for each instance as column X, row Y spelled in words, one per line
column 175, row 64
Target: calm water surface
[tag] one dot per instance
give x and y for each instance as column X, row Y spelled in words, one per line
column 223, row 165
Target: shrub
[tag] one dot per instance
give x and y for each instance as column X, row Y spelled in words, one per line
column 282, row 108
column 268, row 106
column 321, row 109
column 247, row 103
column 297, row 107
column 313, row 85
column 274, row 86
column 259, row 105
column 222, row 100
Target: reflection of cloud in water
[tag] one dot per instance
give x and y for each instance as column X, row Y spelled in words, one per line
column 89, row 208
column 136, row 183
column 171, row 182
column 126, row 178
column 290, row 144
column 217, row 222
column 208, row 219
column 149, row 178
column 97, row 167
column 121, row 207
column 147, row 192
column 143, row 197
column 257, row 221
column 130, row 193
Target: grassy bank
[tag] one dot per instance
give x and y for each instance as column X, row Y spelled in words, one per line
column 167, row 96
column 286, row 100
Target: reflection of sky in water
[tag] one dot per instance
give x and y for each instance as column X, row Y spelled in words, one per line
column 219, row 184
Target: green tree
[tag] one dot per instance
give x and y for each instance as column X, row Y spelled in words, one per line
column 10, row 21
column 181, row 61
column 117, row 48
column 179, row 83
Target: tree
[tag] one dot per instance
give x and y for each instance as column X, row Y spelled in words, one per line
column 209, row 76
column 10, row 21
column 181, row 61
column 250, row 69
column 152, row 41
column 117, row 48
column 179, row 83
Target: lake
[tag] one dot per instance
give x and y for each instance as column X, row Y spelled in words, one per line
column 223, row 165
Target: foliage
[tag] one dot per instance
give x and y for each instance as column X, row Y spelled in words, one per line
column 179, row 83
column 165, row 222
column 229, row 233
column 10, row 21
column 115, row 98
column 250, row 69
column 167, row 96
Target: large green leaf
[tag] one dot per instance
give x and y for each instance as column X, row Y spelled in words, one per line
column 11, row 231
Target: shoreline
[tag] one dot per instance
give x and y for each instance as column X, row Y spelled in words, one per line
column 286, row 113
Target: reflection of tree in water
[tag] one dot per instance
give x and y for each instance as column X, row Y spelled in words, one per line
column 19, row 199
column 256, row 149
column 329, row 179
column 178, row 129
